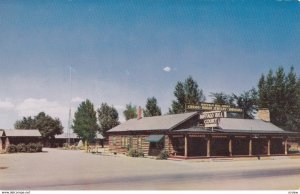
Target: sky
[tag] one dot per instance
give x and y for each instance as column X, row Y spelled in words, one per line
column 126, row 51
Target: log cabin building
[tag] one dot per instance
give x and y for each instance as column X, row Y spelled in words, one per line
column 197, row 135
column 16, row 136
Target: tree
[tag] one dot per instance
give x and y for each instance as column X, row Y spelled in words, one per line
column 152, row 109
column 292, row 107
column 187, row 92
column 85, row 121
column 178, row 105
column 130, row 112
column 25, row 123
column 222, row 98
column 108, row 117
column 279, row 93
column 48, row 126
column 248, row 102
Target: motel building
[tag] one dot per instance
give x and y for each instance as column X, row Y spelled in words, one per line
column 205, row 130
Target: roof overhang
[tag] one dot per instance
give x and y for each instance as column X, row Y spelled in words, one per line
column 154, row 138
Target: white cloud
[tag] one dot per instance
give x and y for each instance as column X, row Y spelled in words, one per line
column 119, row 107
column 77, row 99
column 32, row 106
column 167, row 69
column 6, row 104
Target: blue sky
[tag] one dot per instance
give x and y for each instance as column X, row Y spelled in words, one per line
column 120, row 50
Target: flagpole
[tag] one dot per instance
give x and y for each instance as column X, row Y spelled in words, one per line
column 69, row 121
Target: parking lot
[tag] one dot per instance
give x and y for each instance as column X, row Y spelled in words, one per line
column 75, row 170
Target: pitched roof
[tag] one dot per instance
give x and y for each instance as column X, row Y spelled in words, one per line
column 22, row 133
column 164, row 122
column 248, row 125
column 193, row 129
column 66, row 135
column 74, row 136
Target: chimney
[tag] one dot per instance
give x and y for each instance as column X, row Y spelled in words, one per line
column 264, row 114
column 139, row 113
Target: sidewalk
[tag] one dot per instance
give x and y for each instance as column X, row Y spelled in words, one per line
column 237, row 158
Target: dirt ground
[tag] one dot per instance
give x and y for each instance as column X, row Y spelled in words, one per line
column 75, row 170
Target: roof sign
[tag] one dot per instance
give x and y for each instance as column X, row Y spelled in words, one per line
column 212, row 107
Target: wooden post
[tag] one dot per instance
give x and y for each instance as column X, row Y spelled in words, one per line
column 250, row 147
column 285, row 147
column 1, row 148
column 6, row 143
column 208, row 147
column 269, row 147
column 186, row 146
column 230, row 147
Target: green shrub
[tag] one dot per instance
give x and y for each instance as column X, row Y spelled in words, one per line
column 163, row 155
column 31, row 147
column 135, row 153
column 39, row 147
column 21, row 147
column 65, row 146
column 11, row 148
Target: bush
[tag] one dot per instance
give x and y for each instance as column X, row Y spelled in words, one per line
column 21, row 147
column 163, row 155
column 31, row 147
column 39, row 147
column 135, row 153
column 11, row 148
column 65, row 146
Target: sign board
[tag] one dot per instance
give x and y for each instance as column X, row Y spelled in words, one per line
column 212, row 114
column 212, row 107
column 211, row 119
column 211, row 122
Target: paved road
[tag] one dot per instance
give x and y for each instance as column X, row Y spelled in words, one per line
column 60, row 169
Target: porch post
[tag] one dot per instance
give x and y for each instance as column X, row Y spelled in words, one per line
column 269, row 147
column 230, row 147
column 250, row 147
column 186, row 146
column 1, row 144
column 285, row 147
column 208, row 147
column 6, row 143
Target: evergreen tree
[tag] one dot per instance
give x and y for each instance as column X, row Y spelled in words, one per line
column 152, row 108
column 187, row 92
column 130, row 112
column 178, row 106
column 262, row 94
column 292, row 108
column 279, row 93
column 85, row 121
column 108, row 117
